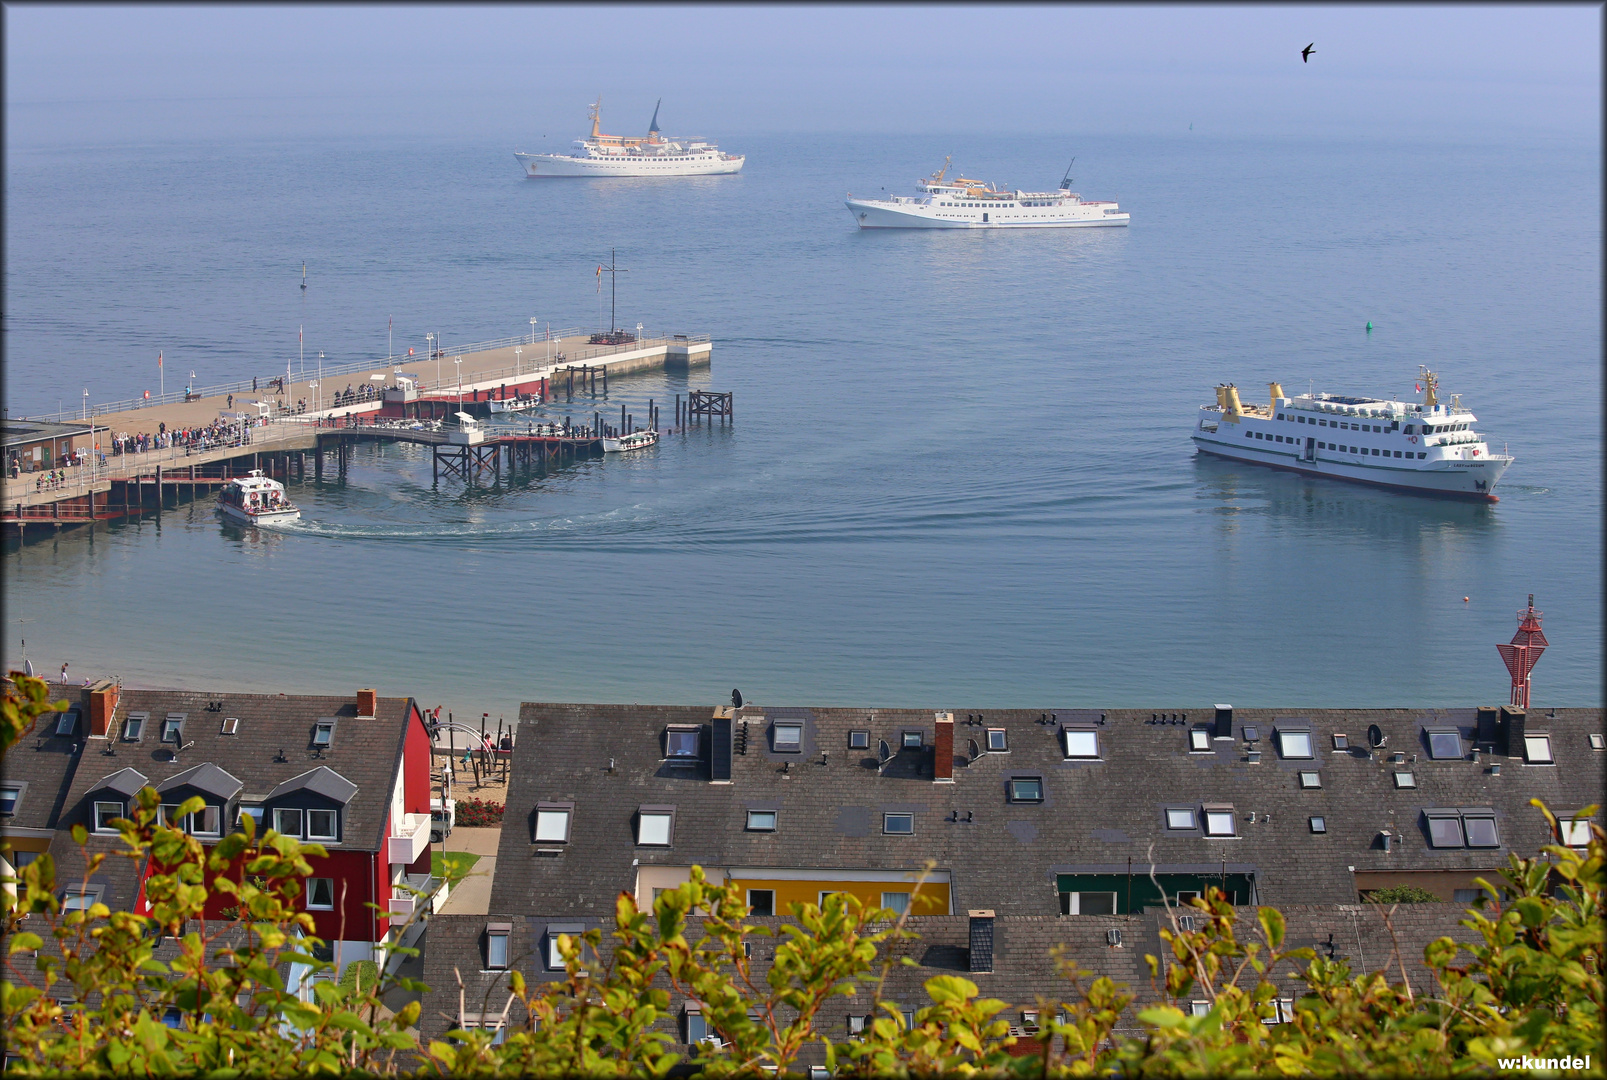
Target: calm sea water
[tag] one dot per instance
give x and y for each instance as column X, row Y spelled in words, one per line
column 959, row 473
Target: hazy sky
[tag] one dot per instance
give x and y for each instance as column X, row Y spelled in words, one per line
column 92, row 75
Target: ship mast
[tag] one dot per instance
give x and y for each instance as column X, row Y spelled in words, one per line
column 597, row 116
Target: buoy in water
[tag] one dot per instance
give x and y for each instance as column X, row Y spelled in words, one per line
column 1464, row 599
column 1369, row 328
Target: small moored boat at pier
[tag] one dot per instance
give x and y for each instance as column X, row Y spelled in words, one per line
column 636, row 440
column 256, row 500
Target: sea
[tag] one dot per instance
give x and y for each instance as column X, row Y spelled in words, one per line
column 958, row 474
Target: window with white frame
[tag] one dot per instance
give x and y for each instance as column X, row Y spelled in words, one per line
column 320, row 894
column 207, row 821
column 104, row 813
column 1294, row 742
column 1310, row 778
column 1444, row 743
column 761, row 821
column 899, row 902
column 998, row 740
column 655, row 825
column 1575, row 832
column 1537, row 748
column 786, row 737
column 231, row 725
column 898, row 824
column 1200, row 741
column 1180, row 817
column 287, row 822
column 555, row 958
column 321, row 824
column 497, row 936
column 552, row 822
column 1081, row 742
column 1219, row 821
column 856, row 1024
column 761, row 901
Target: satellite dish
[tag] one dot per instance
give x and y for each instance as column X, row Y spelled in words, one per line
column 1375, row 736
column 736, row 698
column 975, row 750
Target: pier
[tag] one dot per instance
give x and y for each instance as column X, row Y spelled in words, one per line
column 277, row 422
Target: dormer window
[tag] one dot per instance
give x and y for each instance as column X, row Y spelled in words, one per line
column 681, row 744
column 998, row 740
column 552, row 822
column 207, row 821
column 1081, row 742
column 323, row 733
column 104, row 813
column 287, row 822
column 321, row 824
column 786, row 737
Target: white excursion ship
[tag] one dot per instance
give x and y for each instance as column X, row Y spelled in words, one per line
column 971, row 204
column 622, row 155
column 1428, row 448
column 256, row 500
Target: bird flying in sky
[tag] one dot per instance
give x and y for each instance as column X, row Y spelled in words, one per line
column 1305, row 54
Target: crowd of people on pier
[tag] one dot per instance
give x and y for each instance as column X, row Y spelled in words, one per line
column 355, row 395
column 193, row 440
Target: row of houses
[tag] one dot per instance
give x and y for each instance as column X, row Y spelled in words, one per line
column 999, row 834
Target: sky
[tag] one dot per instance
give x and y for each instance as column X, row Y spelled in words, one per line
column 102, row 75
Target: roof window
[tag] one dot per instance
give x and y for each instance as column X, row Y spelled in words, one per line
column 231, row 724
column 173, row 727
column 1026, row 789
column 552, row 822
column 1181, row 818
column 1444, row 829
column 1537, row 748
column 1294, row 742
column 859, row 740
column 323, row 732
column 655, row 826
column 555, row 958
column 898, row 824
column 912, row 740
column 1471, row 827
column 1405, row 780
column 998, row 740
column 681, row 743
column 786, row 737
column 134, row 726
column 1310, row 778
column 1081, row 742
column 761, row 821
column 11, row 795
column 68, row 724
column 1319, row 824
column 1598, row 741
column 1481, row 829
column 1444, row 743
column 1219, row 820
column 1200, row 741
column 1575, row 832
column 1341, row 742
column 496, row 945
column 1252, row 734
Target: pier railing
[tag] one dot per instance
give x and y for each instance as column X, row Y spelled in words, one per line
column 329, row 371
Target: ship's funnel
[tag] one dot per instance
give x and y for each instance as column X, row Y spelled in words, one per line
column 1234, row 408
column 652, row 129
column 1277, row 392
column 1222, row 397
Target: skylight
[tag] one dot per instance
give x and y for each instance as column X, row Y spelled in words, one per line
column 1219, row 821
column 1026, row 789
column 1319, row 824
column 1294, row 742
column 998, row 740
column 323, row 733
column 786, row 737
column 552, row 822
column 1576, row 832
column 1405, row 780
column 1444, row 743
column 1200, row 741
column 912, row 740
column 898, row 824
column 1081, row 743
column 1537, row 748
column 1311, row 779
column 761, row 821
column 68, row 722
column 859, row 740
column 1341, row 742
column 1180, row 817
column 654, row 826
column 681, row 743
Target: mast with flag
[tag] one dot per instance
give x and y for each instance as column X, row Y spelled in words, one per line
column 161, row 380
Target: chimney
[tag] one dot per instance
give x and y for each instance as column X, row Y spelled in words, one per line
column 102, row 708
column 366, row 701
column 720, row 747
column 1510, row 741
column 1224, row 722
column 943, row 750
column 981, row 939
column 1487, row 732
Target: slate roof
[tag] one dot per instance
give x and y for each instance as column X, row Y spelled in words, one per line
column 205, row 777
column 1094, row 817
column 1024, row 969
column 45, row 762
column 367, row 752
column 323, row 780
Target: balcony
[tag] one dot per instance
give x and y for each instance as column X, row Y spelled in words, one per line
column 410, row 838
column 432, row 892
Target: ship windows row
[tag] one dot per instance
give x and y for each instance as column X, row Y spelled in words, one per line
column 1381, row 429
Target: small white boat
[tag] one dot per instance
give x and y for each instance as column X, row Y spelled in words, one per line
column 636, row 440
column 256, row 500
column 517, row 403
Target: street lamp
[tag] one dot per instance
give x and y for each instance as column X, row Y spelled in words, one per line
column 320, row 405
column 532, row 329
column 459, row 363
column 516, row 352
column 86, row 403
column 431, row 339
column 638, row 333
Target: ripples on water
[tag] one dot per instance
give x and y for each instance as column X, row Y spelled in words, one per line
column 959, row 470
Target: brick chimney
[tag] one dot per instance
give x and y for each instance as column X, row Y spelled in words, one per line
column 943, row 750
column 366, row 700
column 102, row 708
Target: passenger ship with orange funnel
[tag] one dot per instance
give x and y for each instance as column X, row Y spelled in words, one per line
column 970, row 204
column 1428, row 448
column 623, row 155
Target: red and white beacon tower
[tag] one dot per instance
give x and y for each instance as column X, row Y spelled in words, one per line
column 1524, row 653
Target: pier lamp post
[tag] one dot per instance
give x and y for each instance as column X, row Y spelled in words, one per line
column 320, row 379
column 430, row 338
column 318, row 396
column 532, row 329
column 459, row 363
column 516, row 352
column 86, row 403
column 638, row 333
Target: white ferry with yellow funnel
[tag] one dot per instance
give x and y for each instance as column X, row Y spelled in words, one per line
column 1427, row 447
column 970, row 204
column 625, row 155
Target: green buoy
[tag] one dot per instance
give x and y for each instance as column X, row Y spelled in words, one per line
column 1369, row 328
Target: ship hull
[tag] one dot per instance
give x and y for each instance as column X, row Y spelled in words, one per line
column 875, row 214
column 1472, row 480
column 541, row 166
